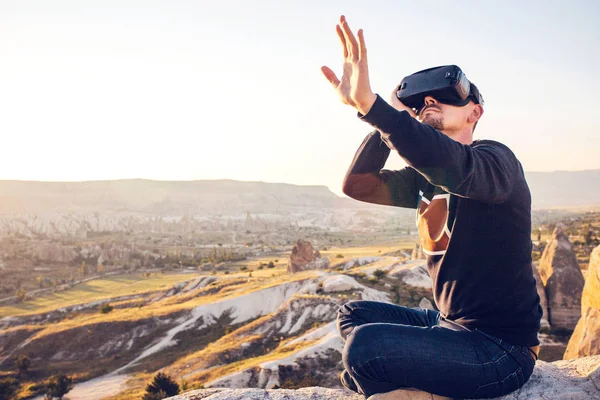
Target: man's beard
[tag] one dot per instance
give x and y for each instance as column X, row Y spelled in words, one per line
column 435, row 121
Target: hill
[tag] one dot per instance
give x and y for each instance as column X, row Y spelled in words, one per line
column 213, row 197
column 564, row 188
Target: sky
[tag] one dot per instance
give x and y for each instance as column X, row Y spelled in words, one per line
column 188, row 90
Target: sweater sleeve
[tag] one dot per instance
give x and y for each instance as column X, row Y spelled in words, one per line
column 484, row 172
column 367, row 181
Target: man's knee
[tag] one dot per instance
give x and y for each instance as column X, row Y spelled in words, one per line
column 359, row 346
column 348, row 307
column 344, row 322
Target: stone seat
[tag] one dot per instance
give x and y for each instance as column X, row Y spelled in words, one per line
column 577, row 379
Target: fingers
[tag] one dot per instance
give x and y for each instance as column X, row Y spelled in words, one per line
column 342, row 40
column 330, row 75
column 362, row 48
column 351, row 43
column 398, row 105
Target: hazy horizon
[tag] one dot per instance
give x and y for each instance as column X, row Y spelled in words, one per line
column 184, row 90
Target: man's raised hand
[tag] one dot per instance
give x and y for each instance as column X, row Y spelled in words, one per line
column 354, row 88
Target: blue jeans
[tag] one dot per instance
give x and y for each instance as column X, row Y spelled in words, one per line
column 389, row 347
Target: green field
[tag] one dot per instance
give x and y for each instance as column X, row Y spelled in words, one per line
column 131, row 284
column 374, row 250
column 97, row 289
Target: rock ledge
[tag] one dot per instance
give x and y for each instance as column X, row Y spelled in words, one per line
column 577, row 379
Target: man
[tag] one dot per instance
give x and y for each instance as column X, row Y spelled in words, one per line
column 474, row 218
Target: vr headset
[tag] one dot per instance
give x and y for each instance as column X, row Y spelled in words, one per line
column 447, row 84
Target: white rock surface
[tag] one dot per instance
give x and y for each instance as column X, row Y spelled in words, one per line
column 340, row 283
column 414, row 274
column 426, row 303
column 242, row 308
column 328, row 339
column 312, row 393
column 357, row 262
column 577, row 379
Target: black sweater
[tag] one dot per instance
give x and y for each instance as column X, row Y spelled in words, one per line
column 473, row 214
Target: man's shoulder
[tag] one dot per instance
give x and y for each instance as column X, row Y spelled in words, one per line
column 484, row 144
column 488, row 142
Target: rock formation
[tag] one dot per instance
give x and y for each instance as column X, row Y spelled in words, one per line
column 542, row 293
column 426, row 303
column 585, row 340
column 563, row 281
column 303, row 257
column 417, row 253
column 561, row 380
column 412, row 273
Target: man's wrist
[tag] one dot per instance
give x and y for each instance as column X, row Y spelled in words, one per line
column 365, row 107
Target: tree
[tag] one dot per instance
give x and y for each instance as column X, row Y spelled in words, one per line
column 162, row 386
column 106, row 308
column 21, row 295
column 23, row 363
column 58, row 386
column 589, row 237
column 378, row 273
column 83, row 270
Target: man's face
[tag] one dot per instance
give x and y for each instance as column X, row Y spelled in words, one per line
column 445, row 117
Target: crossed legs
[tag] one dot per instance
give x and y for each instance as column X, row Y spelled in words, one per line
column 389, row 347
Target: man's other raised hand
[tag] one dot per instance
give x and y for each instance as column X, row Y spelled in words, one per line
column 354, row 87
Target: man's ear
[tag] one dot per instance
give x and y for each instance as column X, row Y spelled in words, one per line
column 476, row 113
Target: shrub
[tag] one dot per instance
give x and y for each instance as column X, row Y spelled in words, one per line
column 58, row 386
column 162, row 386
column 21, row 295
column 226, row 272
column 23, row 363
column 319, row 288
column 106, row 308
column 270, row 264
column 161, row 394
column 339, row 256
column 379, row 273
column 243, row 268
column 184, row 385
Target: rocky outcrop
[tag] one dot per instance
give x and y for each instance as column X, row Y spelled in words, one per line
column 310, row 393
column 563, row 280
column 542, row 293
column 303, row 257
column 417, row 253
column 426, row 303
column 585, row 340
column 412, row 273
column 562, row 380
